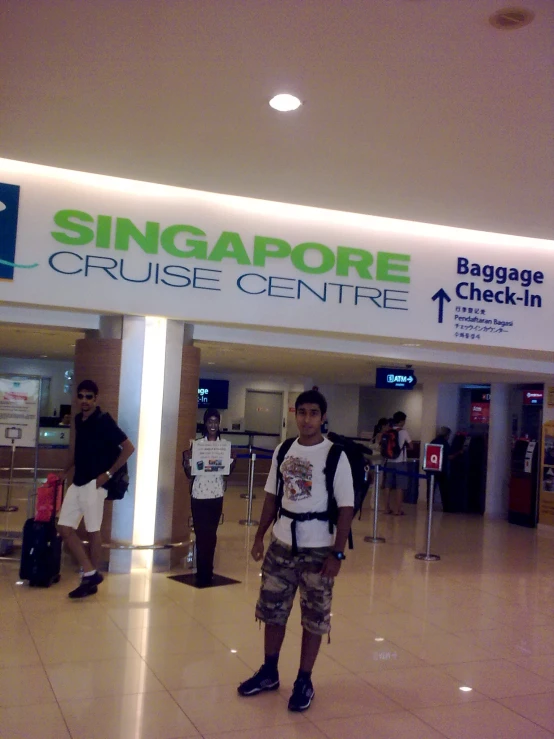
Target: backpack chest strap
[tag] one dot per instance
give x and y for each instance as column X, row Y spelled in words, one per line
column 296, row 517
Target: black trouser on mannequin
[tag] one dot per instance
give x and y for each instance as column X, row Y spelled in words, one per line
column 206, row 514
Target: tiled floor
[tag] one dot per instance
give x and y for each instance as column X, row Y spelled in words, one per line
column 149, row 658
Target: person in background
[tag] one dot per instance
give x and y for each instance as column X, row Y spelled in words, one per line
column 382, row 424
column 66, row 420
column 207, row 493
column 396, row 480
column 97, row 439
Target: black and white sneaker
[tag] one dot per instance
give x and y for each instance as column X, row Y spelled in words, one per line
column 259, row 682
column 88, row 586
column 302, row 695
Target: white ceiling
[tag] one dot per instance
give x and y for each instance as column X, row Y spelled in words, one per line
column 414, row 109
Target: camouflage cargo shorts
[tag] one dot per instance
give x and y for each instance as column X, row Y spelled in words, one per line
column 282, row 574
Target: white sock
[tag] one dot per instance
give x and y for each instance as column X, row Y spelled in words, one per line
column 88, row 574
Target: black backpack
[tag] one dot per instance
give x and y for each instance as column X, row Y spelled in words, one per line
column 360, row 476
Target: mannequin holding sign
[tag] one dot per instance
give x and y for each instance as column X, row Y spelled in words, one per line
column 207, row 464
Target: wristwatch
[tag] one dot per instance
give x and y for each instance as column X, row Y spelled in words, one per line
column 109, row 474
column 339, row 555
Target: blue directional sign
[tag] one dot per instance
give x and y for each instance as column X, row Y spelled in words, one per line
column 388, row 378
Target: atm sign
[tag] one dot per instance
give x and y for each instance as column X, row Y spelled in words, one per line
column 533, row 397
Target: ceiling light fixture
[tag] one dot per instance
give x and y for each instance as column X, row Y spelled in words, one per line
column 510, row 19
column 411, row 344
column 285, row 103
column 465, row 689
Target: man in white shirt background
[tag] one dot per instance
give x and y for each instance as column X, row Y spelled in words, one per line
column 396, row 480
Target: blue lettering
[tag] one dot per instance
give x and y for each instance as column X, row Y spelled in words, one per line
column 340, row 286
column 459, row 290
column 373, row 294
column 130, row 279
column 274, row 285
column 387, row 299
column 197, row 277
column 301, row 284
column 168, row 271
column 63, row 271
column 251, row 292
column 93, row 262
column 463, row 268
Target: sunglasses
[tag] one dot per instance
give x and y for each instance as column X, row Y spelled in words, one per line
column 85, row 396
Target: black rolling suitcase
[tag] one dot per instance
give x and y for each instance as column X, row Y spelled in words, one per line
column 41, row 552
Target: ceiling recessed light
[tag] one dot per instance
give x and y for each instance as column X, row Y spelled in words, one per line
column 411, row 344
column 285, row 103
column 43, row 356
column 465, row 689
column 379, row 638
column 510, row 19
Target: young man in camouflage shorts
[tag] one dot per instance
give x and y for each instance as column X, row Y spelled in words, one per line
column 303, row 554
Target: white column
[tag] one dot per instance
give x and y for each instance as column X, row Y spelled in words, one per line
column 148, row 411
column 499, row 452
column 428, row 425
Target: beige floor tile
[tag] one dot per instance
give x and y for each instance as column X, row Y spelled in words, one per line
column 347, row 695
column 39, row 722
column 76, row 647
column 499, row 678
column 17, row 648
column 300, row 730
column 537, row 708
column 142, row 716
column 176, row 671
column 457, row 620
column 397, row 725
column 483, row 720
column 24, row 686
column 416, row 687
column 542, row 664
column 157, row 617
column 214, row 710
column 174, row 640
column 370, row 655
column 235, row 635
column 440, row 649
column 83, row 680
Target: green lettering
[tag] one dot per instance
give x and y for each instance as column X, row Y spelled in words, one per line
column 298, row 255
column 229, row 246
column 83, row 234
column 103, row 232
column 267, row 246
column 125, row 230
column 360, row 259
column 389, row 264
column 197, row 248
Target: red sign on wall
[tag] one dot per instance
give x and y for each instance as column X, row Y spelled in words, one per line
column 480, row 413
column 432, row 460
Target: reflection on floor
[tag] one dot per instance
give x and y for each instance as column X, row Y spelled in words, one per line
column 149, row 658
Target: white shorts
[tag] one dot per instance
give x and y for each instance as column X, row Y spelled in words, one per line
column 83, row 500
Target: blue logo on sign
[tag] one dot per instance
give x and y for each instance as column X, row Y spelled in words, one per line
column 9, row 208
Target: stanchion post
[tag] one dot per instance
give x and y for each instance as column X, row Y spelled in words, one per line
column 427, row 556
column 248, row 521
column 10, row 508
column 376, row 539
column 247, row 495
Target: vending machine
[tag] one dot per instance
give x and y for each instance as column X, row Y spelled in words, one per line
column 524, row 483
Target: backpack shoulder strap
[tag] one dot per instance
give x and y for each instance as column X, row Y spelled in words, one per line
column 331, row 465
column 281, row 454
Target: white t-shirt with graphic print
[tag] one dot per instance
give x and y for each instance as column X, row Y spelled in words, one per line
column 304, row 491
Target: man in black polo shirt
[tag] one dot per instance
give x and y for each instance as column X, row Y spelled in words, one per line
column 101, row 448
